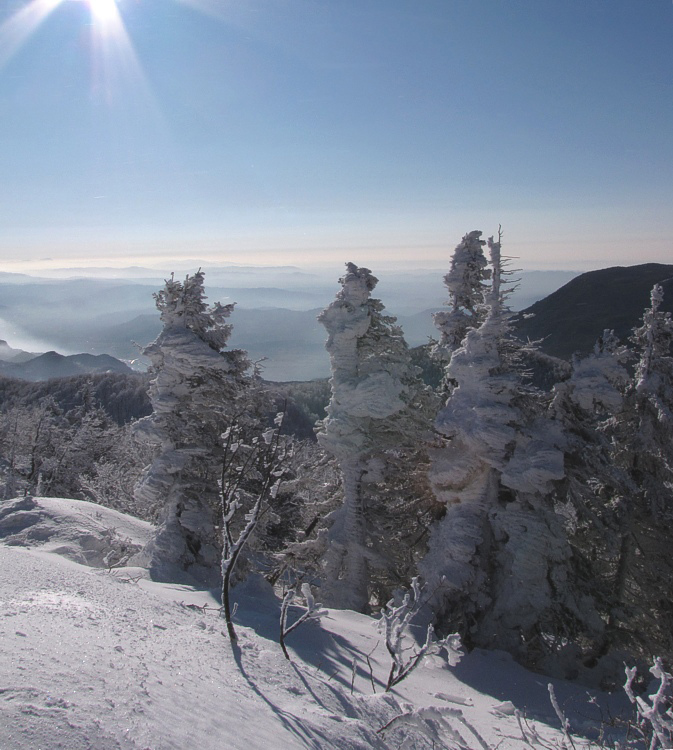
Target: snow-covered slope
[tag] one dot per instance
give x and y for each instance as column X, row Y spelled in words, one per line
column 101, row 658
column 80, row 531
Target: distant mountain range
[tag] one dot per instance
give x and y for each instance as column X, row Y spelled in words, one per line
column 15, row 363
column 571, row 319
column 111, row 316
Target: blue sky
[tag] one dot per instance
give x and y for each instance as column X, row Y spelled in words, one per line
column 306, row 131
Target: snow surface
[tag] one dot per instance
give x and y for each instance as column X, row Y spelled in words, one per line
column 102, row 658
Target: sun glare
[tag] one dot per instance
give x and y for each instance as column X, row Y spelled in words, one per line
column 16, row 30
column 103, row 10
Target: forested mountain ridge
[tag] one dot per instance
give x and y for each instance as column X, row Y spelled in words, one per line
column 570, row 319
column 122, row 396
column 9, row 354
column 54, row 365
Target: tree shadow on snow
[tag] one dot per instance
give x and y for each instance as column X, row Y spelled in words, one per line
column 497, row 674
column 311, row 735
column 329, row 653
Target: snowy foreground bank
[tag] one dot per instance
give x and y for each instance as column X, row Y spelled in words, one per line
column 98, row 658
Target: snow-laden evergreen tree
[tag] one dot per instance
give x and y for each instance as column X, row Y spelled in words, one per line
column 594, row 495
column 597, row 382
column 616, row 492
column 651, row 397
column 195, row 389
column 477, row 423
column 465, row 283
column 377, row 413
column 498, row 561
column 640, row 618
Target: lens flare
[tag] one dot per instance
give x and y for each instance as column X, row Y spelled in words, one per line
column 15, row 31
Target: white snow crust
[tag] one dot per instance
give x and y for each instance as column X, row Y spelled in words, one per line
column 101, row 658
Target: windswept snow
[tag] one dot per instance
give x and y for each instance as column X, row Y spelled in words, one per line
column 96, row 657
column 83, row 532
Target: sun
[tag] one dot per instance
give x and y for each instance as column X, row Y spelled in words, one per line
column 103, row 10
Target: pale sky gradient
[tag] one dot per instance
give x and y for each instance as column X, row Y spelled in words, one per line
column 319, row 131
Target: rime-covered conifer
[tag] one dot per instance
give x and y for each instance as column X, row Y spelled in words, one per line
column 195, row 387
column 378, row 406
column 639, row 618
column 593, row 496
column 465, row 283
column 498, row 560
column 651, row 398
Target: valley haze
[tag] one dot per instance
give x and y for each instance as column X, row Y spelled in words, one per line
column 107, row 310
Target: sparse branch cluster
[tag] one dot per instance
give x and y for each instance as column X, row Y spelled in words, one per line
column 249, row 482
column 312, row 611
column 396, row 621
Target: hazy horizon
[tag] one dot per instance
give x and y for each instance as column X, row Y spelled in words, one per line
column 186, row 262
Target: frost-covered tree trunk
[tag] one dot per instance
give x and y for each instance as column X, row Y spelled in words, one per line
column 345, row 567
column 378, row 404
column 195, row 386
column 455, row 575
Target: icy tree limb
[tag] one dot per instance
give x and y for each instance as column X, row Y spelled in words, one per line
column 565, row 724
column 268, row 455
column 395, row 623
column 427, row 717
column 656, row 715
column 313, row 612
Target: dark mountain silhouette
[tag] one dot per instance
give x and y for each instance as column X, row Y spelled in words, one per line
column 573, row 317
